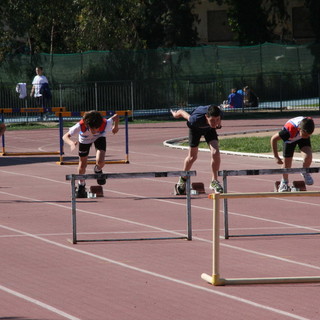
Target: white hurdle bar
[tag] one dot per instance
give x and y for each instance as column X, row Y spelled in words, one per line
column 215, row 278
column 254, row 172
column 74, row 177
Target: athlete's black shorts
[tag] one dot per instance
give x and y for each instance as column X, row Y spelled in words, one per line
column 196, row 133
column 100, row 144
column 288, row 148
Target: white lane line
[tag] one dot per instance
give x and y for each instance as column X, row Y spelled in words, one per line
column 161, row 276
column 38, row 303
column 172, row 232
column 166, row 230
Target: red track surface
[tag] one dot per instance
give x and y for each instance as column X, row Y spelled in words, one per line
column 44, row 276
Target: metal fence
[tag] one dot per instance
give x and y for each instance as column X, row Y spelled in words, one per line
column 152, row 98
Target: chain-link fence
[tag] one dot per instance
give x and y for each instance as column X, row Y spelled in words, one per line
column 150, row 82
column 276, row 92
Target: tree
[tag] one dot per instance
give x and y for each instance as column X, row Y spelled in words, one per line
column 32, row 26
column 109, row 25
column 61, row 26
column 168, row 23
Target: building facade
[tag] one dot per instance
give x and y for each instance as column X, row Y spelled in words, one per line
column 214, row 29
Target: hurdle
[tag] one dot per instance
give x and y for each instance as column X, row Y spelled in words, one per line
column 215, row 278
column 63, row 114
column 27, row 110
column 74, row 177
column 253, row 172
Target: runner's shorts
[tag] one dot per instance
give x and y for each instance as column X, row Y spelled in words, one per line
column 196, row 133
column 100, row 144
column 288, row 148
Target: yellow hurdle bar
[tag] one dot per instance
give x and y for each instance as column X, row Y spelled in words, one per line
column 54, row 109
column 81, row 113
column 26, row 110
column 264, row 195
column 215, row 279
column 6, row 110
column 40, row 153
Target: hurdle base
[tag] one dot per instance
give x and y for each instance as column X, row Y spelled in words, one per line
column 130, row 239
column 216, row 281
column 62, row 163
column 13, row 154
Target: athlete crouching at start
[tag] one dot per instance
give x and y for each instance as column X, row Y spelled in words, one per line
column 92, row 128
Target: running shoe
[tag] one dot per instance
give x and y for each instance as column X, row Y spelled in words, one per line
column 81, row 191
column 307, row 178
column 181, row 186
column 284, row 187
column 216, row 186
column 101, row 181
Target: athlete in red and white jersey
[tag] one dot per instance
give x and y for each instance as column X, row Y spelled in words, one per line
column 296, row 131
column 86, row 135
column 92, row 128
column 292, row 127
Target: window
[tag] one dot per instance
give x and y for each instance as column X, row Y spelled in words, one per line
column 301, row 26
column 218, row 28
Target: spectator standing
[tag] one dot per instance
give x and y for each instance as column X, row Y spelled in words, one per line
column 39, row 81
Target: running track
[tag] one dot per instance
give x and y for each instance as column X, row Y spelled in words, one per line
column 45, row 277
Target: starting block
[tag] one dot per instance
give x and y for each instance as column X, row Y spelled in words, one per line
column 97, row 190
column 198, row 187
column 298, row 186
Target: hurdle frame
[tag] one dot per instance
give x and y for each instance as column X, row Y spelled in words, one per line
column 124, row 113
column 74, row 177
column 253, row 172
column 215, row 278
column 27, row 110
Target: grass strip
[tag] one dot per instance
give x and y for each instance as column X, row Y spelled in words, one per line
column 255, row 144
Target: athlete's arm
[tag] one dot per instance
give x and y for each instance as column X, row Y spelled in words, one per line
column 274, row 145
column 180, row 114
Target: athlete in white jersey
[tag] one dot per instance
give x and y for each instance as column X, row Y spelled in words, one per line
column 92, row 128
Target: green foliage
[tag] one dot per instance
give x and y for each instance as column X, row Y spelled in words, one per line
column 61, row 26
column 109, row 25
column 168, row 23
column 32, row 26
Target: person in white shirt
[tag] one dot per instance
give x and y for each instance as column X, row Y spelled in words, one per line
column 37, row 82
